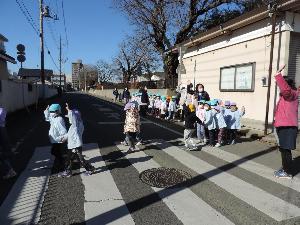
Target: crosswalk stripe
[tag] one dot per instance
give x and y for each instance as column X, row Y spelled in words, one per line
column 101, row 193
column 272, row 206
column 186, row 205
column 257, row 168
column 24, row 201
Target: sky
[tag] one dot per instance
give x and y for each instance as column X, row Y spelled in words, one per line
column 94, row 31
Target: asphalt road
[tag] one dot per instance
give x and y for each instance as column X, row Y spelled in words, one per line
column 231, row 185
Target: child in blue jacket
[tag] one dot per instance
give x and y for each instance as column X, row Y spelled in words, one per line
column 74, row 138
column 220, row 124
column 56, row 132
column 233, row 120
column 210, row 123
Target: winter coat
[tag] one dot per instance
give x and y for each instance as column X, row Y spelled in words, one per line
column 132, row 121
column 157, row 104
column 286, row 113
column 126, row 94
column 57, row 129
column 220, row 121
column 144, row 98
column 210, row 120
column 172, row 106
column 74, row 135
column 115, row 93
column 163, row 107
column 2, row 117
column 200, row 113
column 190, row 118
column 203, row 96
column 233, row 119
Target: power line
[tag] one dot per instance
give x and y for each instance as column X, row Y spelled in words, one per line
column 63, row 10
column 52, row 34
column 27, row 18
column 29, row 14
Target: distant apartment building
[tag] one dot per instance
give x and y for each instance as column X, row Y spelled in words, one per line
column 76, row 66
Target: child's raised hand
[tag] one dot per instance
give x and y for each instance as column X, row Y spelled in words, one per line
column 243, row 108
column 67, row 107
column 48, row 107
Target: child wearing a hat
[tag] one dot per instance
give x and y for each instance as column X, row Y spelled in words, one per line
column 57, row 132
column 220, row 125
column 200, row 113
column 132, row 125
column 190, row 119
column 172, row 108
column 74, row 139
column 233, row 118
column 157, row 106
column 210, row 123
column 163, row 107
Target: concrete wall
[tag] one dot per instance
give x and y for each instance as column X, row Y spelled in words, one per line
column 15, row 95
column 108, row 93
column 256, row 50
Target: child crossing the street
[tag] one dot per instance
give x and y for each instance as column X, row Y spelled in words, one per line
column 57, row 132
column 74, row 139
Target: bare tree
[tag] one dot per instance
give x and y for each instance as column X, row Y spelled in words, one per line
column 88, row 75
column 106, row 71
column 135, row 55
column 168, row 23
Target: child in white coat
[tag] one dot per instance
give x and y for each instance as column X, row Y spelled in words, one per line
column 220, row 125
column 74, row 138
column 234, row 121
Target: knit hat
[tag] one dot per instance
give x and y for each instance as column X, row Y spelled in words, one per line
column 54, row 108
column 214, row 102
column 232, row 104
column 207, row 103
column 127, row 106
column 163, row 98
column 174, row 97
column 227, row 103
column 192, row 107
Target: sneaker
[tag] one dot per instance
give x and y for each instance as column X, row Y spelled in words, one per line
column 130, row 150
column 192, row 148
column 233, row 142
column 10, row 174
column 218, row 145
column 124, row 143
column 139, row 143
column 65, row 174
column 88, row 173
column 282, row 174
column 204, row 140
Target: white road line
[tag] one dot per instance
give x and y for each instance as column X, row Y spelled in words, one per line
column 101, row 193
column 272, row 206
column 253, row 167
column 23, row 205
column 186, row 205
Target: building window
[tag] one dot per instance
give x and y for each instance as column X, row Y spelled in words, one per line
column 238, row 78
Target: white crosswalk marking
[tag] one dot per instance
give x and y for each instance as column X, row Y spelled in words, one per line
column 186, row 205
column 272, row 206
column 253, row 167
column 102, row 194
column 24, row 201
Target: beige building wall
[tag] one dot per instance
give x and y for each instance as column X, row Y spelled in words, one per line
column 256, row 51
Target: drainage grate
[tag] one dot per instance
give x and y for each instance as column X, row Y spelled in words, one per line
column 164, row 177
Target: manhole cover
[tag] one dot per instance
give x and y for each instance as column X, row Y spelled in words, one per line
column 164, row 177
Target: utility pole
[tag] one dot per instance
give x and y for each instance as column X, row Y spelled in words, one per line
column 42, row 47
column 272, row 14
column 60, row 62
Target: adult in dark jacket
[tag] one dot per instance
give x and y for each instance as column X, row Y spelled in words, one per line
column 190, row 119
column 116, row 94
column 286, row 123
column 202, row 94
column 144, row 101
column 126, row 95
